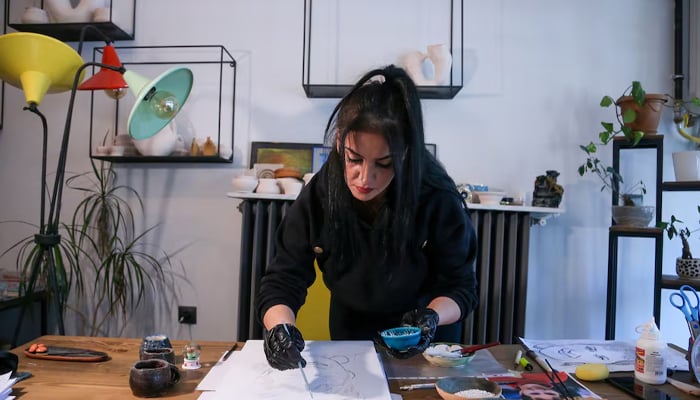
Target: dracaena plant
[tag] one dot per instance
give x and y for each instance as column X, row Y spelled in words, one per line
column 105, row 243
column 105, row 266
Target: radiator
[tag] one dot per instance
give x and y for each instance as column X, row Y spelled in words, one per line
column 260, row 220
column 501, row 267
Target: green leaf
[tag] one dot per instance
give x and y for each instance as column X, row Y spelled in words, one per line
column 628, row 116
column 606, row 101
column 638, row 92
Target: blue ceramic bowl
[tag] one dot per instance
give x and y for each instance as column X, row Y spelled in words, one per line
column 402, row 337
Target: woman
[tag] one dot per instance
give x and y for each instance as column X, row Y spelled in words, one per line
column 386, row 225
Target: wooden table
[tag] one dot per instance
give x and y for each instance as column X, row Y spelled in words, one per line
column 110, row 379
column 105, row 380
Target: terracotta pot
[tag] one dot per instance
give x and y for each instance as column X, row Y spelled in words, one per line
column 648, row 115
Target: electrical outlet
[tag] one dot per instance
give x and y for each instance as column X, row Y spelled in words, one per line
column 187, row 315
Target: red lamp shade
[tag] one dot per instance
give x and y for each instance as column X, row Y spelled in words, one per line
column 105, row 78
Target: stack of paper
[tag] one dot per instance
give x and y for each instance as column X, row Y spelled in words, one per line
column 335, row 369
column 6, row 383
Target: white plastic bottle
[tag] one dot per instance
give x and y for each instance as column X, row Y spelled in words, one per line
column 650, row 359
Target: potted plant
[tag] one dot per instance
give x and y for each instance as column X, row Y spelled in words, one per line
column 686, row 265
column 637, row 113
column 100, row 247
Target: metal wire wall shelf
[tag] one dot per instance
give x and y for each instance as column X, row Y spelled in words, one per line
column 208, row 114
column 335, row 63
column 117, row 20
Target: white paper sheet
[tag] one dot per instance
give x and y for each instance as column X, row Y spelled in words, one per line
column 337, row 370
column 215, row 377
column 566, row 355
column 6, row 386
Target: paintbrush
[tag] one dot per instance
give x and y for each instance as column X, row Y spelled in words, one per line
column 303, row 374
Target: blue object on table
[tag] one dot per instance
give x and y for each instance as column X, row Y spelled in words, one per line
column 682, row 301
column 155, row 341
column 402, row 337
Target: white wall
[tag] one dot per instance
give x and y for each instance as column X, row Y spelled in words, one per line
column 535, row 72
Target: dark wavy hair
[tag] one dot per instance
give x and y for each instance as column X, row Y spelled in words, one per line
column 383, row 101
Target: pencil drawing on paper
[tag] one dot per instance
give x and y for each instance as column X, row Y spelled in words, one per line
column 568, row 353
column 336, row 371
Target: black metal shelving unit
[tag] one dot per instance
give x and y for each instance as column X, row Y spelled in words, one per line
column 655, row 142
column 70, row 32
column 209, row 63
column 674, row 281
column 338, row 90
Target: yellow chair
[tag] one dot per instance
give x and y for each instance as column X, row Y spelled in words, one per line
column 312, row 319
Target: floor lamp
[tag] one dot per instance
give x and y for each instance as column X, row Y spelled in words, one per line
column 40, row 64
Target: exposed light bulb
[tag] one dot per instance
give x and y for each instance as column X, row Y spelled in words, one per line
column 164, row 104
column 116, row 94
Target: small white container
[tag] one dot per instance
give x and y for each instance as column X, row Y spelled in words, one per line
column 686, row 165
column 268, row 186
column 244, row 183
column 290, row 185
column 35, row 15
column 650, row 359
column 490, row 198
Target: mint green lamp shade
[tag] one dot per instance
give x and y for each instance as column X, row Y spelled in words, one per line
column 157, row 100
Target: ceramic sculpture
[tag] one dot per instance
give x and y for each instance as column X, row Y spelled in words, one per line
column 438, row 62
column 62, row 11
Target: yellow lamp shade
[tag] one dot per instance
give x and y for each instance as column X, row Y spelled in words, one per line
column 37, row 64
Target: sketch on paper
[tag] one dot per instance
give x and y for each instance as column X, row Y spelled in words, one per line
column 565, row 355
column 337, row 370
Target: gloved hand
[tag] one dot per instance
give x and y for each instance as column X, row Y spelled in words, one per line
column 427, row 320
column 283, row 346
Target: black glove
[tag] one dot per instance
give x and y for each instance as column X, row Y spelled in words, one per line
column 283, row 346
column 427, row 320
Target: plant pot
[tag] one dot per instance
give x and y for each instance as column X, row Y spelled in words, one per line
column 688, row 268
column 686, row 165
column 633, row 216
column 648, row 115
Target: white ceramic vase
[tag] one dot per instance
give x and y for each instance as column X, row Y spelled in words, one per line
column 162, row 143
column 62, row 10
column 437, row 63
column 441, row 58
column 686, row 165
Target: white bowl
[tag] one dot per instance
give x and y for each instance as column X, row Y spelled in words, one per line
column 268, row 186
column 490, row 197
column 290, row 185
column 636, row 216
column 244, row 183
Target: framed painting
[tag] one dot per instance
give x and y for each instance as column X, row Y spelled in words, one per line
column 320, row 155
column 298, row 155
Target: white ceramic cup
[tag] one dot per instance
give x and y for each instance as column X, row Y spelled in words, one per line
column 35, row 15
column 268, row 186
column 101, row 15
column 290, row 185
column 686, row 165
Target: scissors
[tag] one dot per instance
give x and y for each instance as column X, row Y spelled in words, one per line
column 682, row 301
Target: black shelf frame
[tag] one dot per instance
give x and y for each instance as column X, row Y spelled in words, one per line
column 70, row 32
column 615, row 233
column 682, row 186
column 225, row 59
column 649, row 141
column 314, row 90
